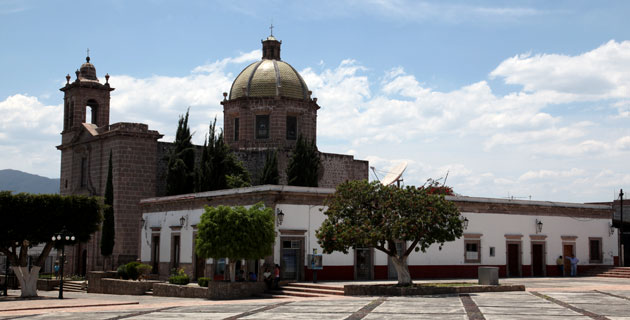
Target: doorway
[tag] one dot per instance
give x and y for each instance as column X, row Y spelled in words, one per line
column 392, row 274
column 568, row 250
column 538, row 259
column 155, row 254
column 513, row 259
column 363, row 264
column 290, row 259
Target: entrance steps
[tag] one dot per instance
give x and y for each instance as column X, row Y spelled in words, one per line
column 609, row 272
column 73, row 286
column 304, row 290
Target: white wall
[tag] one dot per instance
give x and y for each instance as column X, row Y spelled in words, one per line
column 493, row 227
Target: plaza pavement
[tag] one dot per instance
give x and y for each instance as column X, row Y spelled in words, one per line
column 545, row 298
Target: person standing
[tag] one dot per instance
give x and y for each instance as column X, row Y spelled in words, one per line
column 56, row 268
column 560, row 266
column 267, row 278
column 574, row 261
column 276, row 278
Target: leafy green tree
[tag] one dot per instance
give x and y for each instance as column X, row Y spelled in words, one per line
column 303, row 168
column 270, row 170
column 29, row 220
column 108, row 231
column 235, row 233
column 218, row 167
column 180, row 172
column 363, row 214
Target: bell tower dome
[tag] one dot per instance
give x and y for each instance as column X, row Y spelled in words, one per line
column 85, row 92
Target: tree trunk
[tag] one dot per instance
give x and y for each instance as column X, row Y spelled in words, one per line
column 404, row 278
column 28, row 280
column 232, row 270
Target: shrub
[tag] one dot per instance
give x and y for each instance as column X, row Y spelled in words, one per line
column 181, row 280
column 143, row 270
column 203, row 281
column 132, row 270
column 121, row 272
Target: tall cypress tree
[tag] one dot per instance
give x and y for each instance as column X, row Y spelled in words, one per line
column 270, row 171
column 108, row 233
column 303, row 168
column 218, row 167
column 181, row 164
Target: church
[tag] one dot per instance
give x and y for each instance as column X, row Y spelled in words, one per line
column 268, row 106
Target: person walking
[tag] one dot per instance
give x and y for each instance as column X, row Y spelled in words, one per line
column 574, row 261
column 560, row 266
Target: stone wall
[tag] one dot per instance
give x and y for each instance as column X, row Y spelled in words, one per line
column 219, row 290
column 174, row 290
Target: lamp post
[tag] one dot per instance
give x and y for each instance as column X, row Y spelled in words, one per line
column 539, row 226
column 622, row 251
column 62, row 239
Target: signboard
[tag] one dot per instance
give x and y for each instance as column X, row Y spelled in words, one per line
column 315, row 261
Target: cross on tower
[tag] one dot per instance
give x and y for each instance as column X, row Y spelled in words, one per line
column 271, row 29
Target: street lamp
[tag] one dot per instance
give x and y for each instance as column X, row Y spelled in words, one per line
column 62, row 239
column 539, row 226
column 465, row 223
column 280, row 216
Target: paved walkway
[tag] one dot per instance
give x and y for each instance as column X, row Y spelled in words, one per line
column 546, row 298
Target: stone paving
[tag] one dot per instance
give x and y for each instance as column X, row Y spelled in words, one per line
column 546, row 298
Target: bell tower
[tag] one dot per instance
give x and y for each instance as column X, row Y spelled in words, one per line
column 85, row 92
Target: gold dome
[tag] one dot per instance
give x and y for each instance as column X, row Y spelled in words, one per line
column 270, row 77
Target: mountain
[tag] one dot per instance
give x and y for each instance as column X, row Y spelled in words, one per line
column 18, row 181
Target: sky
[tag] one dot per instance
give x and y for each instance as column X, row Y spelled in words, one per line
column 519, row 99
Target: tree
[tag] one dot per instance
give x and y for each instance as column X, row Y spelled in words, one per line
column 363, row 214
column 303, row 168
column 270, row 170
column 236, row 233
column 29, row 220
column 181, row 164
column 218, row 167
column 108, row 232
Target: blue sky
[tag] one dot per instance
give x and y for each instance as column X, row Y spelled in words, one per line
column 511, row 98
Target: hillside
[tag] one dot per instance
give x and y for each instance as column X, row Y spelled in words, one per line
column 18, row 181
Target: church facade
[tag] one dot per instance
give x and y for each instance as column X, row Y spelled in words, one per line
column 269, row 106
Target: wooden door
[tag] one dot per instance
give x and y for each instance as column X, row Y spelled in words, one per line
column 513, row 260
column 538, row 260
column 567, row 251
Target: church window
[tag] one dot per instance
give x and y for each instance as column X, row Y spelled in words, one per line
column 472, row 252
column 595, row 250
column 84, row 175
column 262, row 127
column 237, row 128
column 291, row 128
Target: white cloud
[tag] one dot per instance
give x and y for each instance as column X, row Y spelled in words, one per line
column 547, row 174
column 597, row 74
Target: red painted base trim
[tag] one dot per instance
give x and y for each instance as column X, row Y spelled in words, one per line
column 331, row 273
column 429, row 272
